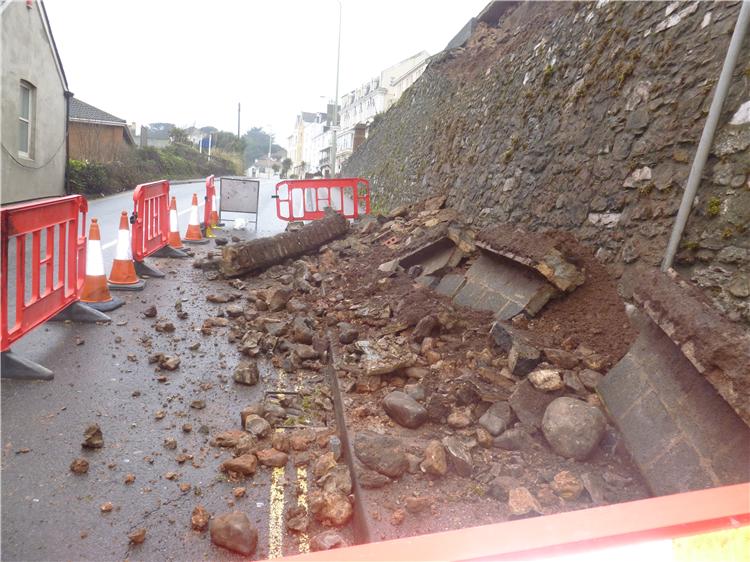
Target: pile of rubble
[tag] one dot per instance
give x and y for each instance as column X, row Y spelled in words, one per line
column 464, row 395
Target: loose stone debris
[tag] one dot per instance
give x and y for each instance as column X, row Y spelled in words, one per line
column 455, row 414
column 234, row 531
column 92, row 437
column 448, row 382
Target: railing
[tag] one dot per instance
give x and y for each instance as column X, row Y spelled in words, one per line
column 50, row 235
column 150, row 218
column 305, row 200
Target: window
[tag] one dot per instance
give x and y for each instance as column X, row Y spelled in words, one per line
column 26, row 120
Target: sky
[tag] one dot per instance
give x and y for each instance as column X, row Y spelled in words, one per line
column 189, row 62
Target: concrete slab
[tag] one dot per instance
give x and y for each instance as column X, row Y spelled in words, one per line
column 717, row 348
column 680, row 432
column 502, row 286
column 433, row 257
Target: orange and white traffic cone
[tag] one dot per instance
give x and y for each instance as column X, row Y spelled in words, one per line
column 193, row 234
column 174, row 239
column 214, row 212
column 95, row 292
column 123, row 277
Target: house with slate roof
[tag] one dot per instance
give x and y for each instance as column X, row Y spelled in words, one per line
column 96, row 135
column 33, row 105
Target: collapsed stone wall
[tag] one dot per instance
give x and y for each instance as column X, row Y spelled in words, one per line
column 584, row 117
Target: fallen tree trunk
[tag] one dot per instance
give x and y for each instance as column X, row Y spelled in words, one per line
column 238, row 259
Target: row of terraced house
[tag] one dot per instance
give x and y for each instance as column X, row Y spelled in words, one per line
column 309, row 145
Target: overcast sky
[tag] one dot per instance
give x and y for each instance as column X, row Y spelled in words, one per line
column 189, row 62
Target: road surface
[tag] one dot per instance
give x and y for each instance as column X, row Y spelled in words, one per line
column 102, row 375
column 107, row 211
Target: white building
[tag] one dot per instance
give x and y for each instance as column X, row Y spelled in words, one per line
column 310, row 142
column 374, row 97
column 306, row 141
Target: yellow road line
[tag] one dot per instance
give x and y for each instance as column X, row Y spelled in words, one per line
column 276, row 514
column 304, row 542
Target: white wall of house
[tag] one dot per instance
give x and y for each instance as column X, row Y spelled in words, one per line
column 374, row 97
column 28, row 58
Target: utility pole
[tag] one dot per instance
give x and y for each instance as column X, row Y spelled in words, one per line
column 238, row 120
column 334, row 127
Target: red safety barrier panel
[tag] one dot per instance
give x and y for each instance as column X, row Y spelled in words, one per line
column 209, row 206
column 150, row 218
column 306, row 200
column 652, row 526
column 57, row 253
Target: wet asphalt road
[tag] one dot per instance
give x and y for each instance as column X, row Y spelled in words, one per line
column 49, row 513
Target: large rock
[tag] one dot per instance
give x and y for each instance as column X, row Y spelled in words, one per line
column 459, row 456
column 256, row 425
column 404, row 409
column 331, row 507
column 514, row 439
column 272, row 458
column 246, row 373
column 521, row 502
column 302, row 330
column 234, row 531
column 529, row 404
column 435, row 460
column 497, row 418
column 244, row 464
column 371, row 480
column 573, row 428
column 546, row 380
column 347, row 333
column 327, row 540
column 381, row 453
column 92, row 437
column 567, row 485
column 523, row 358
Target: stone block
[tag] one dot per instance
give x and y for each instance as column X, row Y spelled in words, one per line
column 502, row 286
column 450, row 284
column 678, row 429
column 675, row 471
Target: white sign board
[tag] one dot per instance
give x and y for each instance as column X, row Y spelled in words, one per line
column 239, row 195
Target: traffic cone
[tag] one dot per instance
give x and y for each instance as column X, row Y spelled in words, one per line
column 214, row 212
column 174, row 239
column 193, row 234
column 123, row 277
column 95, row 292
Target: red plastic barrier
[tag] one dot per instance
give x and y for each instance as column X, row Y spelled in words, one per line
column 208, row 209
column 151, row 218
column 305, row 200
column 616, row 526
column 57, row 228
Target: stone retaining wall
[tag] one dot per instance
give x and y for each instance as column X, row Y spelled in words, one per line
column 584, row 117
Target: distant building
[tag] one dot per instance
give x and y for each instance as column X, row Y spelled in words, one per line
column 96, row 135
column 304, row 143
column 158, row 137
column 33, row 107
column 360, row 106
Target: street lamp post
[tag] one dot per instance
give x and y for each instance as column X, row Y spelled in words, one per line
column 334, row 127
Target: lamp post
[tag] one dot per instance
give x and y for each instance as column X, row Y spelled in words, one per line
column 334, row 127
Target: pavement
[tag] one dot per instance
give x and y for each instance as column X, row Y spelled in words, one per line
column 102, row 376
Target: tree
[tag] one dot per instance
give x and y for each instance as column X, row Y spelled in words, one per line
column 256, row 144
column 286, row 165
column 179, row 135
